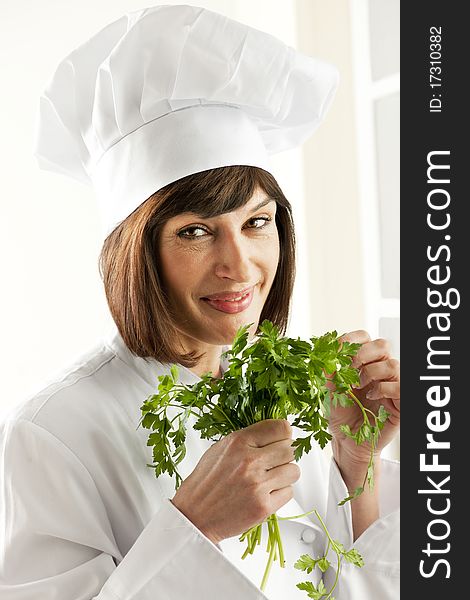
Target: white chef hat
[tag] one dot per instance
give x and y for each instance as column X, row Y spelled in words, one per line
column 169, row 91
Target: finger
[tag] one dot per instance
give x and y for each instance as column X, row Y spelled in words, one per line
column 267, row 432
column 373, row 351
column 276, row 454
column 384, row 389
column 282, row 476
column 360, row 336
column 380, row 371
column 280, row 497
column 356, row 337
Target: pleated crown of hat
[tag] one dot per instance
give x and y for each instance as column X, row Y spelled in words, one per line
column 168, row 91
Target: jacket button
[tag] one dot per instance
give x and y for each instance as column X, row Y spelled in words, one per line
column 308, row 535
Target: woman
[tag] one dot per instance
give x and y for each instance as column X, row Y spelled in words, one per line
column 84, row 517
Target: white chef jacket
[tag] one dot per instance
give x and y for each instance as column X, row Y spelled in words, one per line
column 82, row 517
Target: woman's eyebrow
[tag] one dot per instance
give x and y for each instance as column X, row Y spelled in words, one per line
column 266, row 200
column 263, row 202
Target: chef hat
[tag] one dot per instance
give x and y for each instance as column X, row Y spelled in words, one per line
column 168, row 91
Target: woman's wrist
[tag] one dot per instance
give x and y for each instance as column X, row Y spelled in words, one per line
column 353, row 466
column 180, row 506
column 365, row 508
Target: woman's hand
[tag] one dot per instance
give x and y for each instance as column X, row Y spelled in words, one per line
column 240, row 480
column 380, row 384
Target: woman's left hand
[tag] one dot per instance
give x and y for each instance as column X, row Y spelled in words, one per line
column 379, row 385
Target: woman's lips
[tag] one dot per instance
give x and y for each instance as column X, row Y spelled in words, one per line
column 231, row 306
column 227, row 295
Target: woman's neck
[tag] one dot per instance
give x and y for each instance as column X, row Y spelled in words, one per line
column 209, row 363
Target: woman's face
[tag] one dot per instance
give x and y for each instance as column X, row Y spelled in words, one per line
column 236, row 252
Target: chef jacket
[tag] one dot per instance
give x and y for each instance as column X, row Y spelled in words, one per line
column 83, row 517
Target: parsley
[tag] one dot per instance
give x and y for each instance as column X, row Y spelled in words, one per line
column 272, row 377
column 307, row 563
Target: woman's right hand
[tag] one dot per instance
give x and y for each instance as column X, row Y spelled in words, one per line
column 240, row 480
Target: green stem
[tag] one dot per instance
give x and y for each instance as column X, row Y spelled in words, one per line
column 328, row 548
column 258, row 535
column 212, row 405
column 361, row 406
column 370, row 411
column 282, row 561
column 272, row 550
column 338, row 555
column 335, row 583
column 324, row 528
column 372, row 445
column 371, row 464
column 296, row 516
column 228, row 419
column 254, row 538
column 274, row 544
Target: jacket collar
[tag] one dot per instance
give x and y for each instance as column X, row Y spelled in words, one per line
column 148, row 368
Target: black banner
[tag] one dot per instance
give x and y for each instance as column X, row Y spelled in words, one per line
column 434, row 299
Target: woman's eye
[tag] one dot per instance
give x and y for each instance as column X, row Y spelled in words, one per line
column 265, row 219
column 184, row 232
column 198, row 231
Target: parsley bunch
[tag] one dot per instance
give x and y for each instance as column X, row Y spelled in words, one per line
column 271, row 378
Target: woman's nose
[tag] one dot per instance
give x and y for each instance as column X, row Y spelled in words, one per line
column 233, row 258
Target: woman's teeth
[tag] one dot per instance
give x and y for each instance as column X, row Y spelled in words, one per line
column 236, row 299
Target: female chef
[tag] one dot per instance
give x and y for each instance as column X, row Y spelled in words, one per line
column 171, row 113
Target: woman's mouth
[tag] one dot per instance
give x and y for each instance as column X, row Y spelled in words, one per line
column 234, row 305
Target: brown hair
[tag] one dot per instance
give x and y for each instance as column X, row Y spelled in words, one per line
column 128, row 261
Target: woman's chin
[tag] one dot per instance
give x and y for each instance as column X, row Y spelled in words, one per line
column 234, row 330
column 224, row 335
